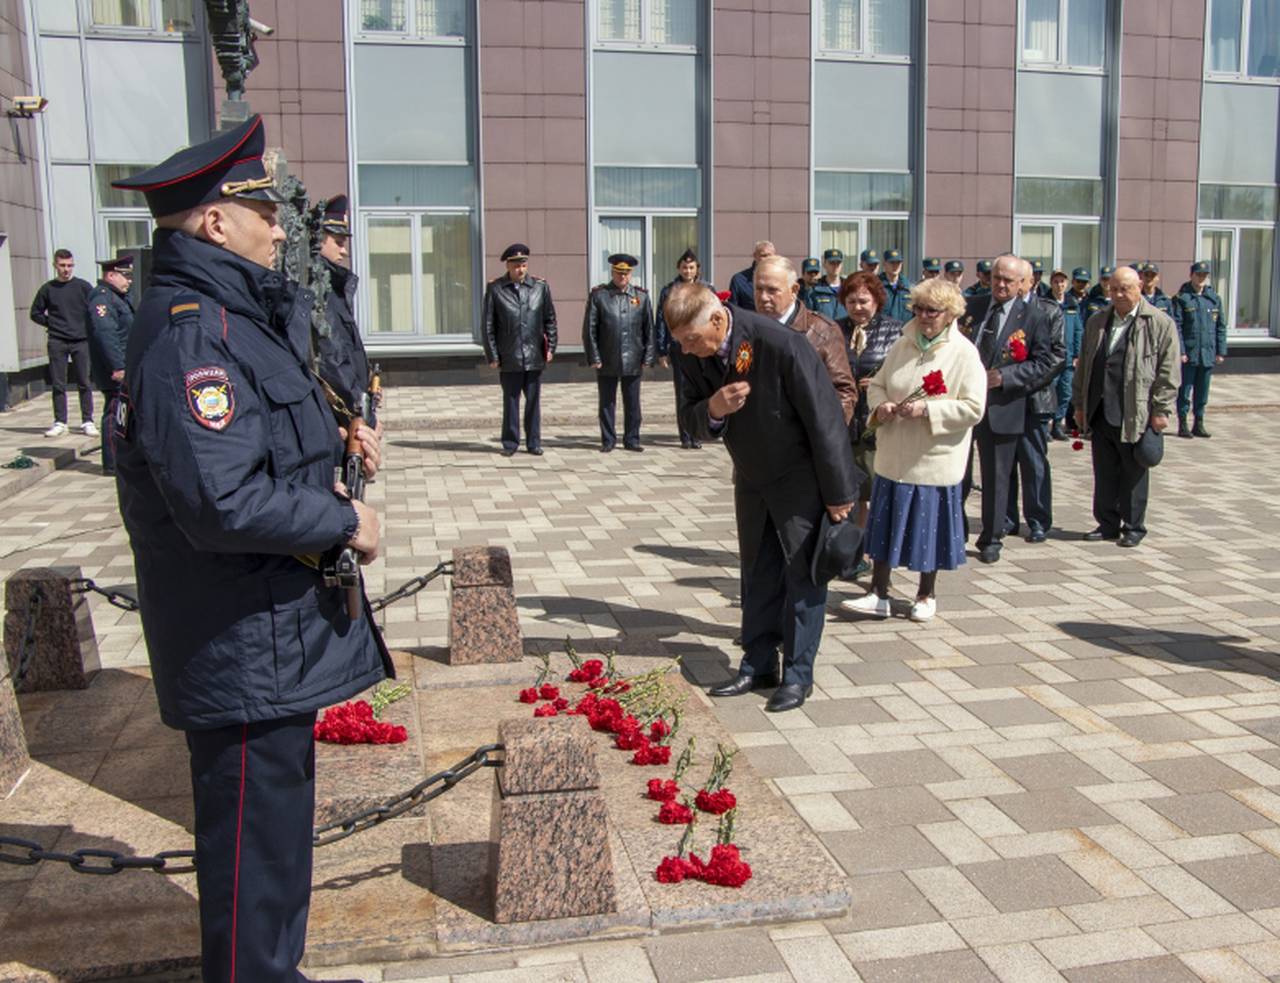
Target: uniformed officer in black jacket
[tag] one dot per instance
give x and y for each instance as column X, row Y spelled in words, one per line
column 108, row 317
column 519, row 341
column 344, row 366
column 225, row 455
column 618, row 334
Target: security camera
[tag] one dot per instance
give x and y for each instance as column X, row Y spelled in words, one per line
column 261, row 29
column 27, row 106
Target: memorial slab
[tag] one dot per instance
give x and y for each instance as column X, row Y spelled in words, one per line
column 484, row 625
column 49, row 642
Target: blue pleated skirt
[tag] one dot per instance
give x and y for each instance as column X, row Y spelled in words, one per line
column 920, row 527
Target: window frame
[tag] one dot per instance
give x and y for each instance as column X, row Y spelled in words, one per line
column 851, row 263
column 90, row 28
column 645, row 43
column 1241, row 74
column 358, row 33
column 1059, row 63
column 1056, row 222
column 864, row 25
column 1236, row 227
column 601, row 274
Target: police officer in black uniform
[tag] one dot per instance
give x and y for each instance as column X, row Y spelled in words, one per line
column 344, row 366
column 519, row 341
column 108, row 317
column 618, row 334
column 226, row 451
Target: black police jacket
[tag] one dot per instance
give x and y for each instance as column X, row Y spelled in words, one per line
column 226, row 456
column 108, row 318
column 519, row 324
column 343, row 362
column 617, row 330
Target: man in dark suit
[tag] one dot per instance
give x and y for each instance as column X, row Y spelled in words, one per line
column 762, row 387
column 1014, row 342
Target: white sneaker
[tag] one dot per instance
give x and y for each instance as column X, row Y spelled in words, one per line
column 871, row 604
column 88, row 429
column 57, row 430
column 924, row 610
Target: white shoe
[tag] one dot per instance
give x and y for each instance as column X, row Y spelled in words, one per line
column 88, row 429
column 871, row 604
column 924, row 610
column 57, row 430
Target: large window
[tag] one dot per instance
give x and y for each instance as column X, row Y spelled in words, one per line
column 856, row 211
column 1058, row 221
column 1064, row 33
column 148, row 15
column 1237, row 237
column 1244, row 38
column 414, row 18
column 420, row 273
column 865, row 28
column 647, row 22
column 656, row 240
column 125, row 220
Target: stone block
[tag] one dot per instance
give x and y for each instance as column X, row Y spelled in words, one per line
column 484, row 625
column 14, row 761
column 549, row 850
column 64, row 648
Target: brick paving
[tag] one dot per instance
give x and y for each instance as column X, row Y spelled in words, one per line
column 1073, row 773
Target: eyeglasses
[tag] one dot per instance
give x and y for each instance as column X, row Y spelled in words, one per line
column 927, row 311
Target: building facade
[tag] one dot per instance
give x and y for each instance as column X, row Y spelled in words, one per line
column 1076, row 132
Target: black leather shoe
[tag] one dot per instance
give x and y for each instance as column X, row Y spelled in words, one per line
column 508, row 451
column 685, row 445
column 1183, row 429
column 1098, row 535
column 1056, row 431
column 637, row 448
column 788, row 697
column 990, row 554
column 1131, row 538
column 1199, row 431
column 1037, row 536
column 695, row 445
column 744, row 682
column 606, row 448
column 535, row 451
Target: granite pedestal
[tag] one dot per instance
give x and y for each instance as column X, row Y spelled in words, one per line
column 63, row 651
column 549, row 846
column 14, row 760
column 484, row 625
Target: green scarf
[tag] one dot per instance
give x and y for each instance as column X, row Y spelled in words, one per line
column 924, row 344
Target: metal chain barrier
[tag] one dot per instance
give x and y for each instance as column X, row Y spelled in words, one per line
column 28, row 647
column 25, row 853
column 116, row 598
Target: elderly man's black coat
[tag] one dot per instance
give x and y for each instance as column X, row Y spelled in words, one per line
column 789, row 442
column 1007, row 404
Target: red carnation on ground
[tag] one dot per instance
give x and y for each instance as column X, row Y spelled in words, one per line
column 354, row 723
column 587, row 672
column 529, row 695
column 726, row 867
column 675, row 814
column 561, row 704
column 630, row 740
column 933, row 383
column 672, row 870
column 716, row 803
column 1077, row 445
column 663, row 791
column 546, row 710
column 548, row 692
column 659, row 730
column 651, row 754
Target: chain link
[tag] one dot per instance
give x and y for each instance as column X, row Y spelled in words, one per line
column 116, row 598
column 25, row 853
column 411, row 587
column 28, row 648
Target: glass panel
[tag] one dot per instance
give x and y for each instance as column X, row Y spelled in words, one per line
column 1086, row 32
column 1224, row 35
column 1035, row 242
column 447, row 287
column 441, row 19
column 648, row 187
column 1079, row 246
column 646, row 108
column 57, row 15
column 840, row 191
column 405, row 185
column 1264, row 38
column 1226, row 202
column 1216, row 247
column 127, row 233
column 390, row 284
column 620, row 20
column 431, row 123
column 1058, row 196
column 844, row 236
column 673, row 21
column 382, row 15
column 121, row 13
column 841, row 25
column 672, row 235
column 178, row 15
column 1040, row 31
column 109, row 197
column 889, row 27
column 620, row 235
column 1253, row 296
column 889, row 233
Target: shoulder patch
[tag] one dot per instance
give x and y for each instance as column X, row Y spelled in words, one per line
column 211, row 397
column 100, row 310
column 177, row 309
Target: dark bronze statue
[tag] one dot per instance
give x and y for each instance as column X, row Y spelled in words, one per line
column 233, row 38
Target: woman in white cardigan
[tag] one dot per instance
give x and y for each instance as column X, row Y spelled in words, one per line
column 922, row 447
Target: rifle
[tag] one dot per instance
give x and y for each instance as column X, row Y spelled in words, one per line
column 373, row 398
column 340, row 567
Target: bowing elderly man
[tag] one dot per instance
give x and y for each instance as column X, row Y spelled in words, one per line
column 761, row 387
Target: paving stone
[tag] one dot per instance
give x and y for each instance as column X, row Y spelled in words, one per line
column 1160, row 728
column 1219, row 931
column 989, row 677
column 1045, row 771
column 875, row 851
column 878, row 673
column 1050, row 809
column 1199, row 684
column 898, row 806
column 1011, row 713
column 883, row 901
column 775, row 762
column 942, row 967
column 1207, row 813
column 713, row 955
column 1159, row 969
column 1249, row 882
column 1029, row 882
column 1099, row 692
column 1099, row 947
column 1201, row 773
column 837, row 713
column 904, row 768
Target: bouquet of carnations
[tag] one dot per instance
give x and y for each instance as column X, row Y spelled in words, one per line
column 931, row 385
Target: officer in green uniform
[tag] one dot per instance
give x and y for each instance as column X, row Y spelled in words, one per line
column 983, row 284
column 1197, row 311
column 897, row 287
column 931, row 267
column 817, row 293
column 1098, row 298
column 953, row 270
column 1157, row 298
column 869, row 261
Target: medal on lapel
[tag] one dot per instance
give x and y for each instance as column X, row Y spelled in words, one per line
column 742, row 360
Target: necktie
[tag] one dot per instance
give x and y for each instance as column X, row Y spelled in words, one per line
column 987, row 347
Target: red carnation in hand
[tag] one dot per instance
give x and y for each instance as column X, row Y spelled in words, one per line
column 663, row 791
column 548, row 692
column 529, row 695
column 1018, row 350
column 546, row 710
column 675, row 814
column 1077, row 445
column 672, row 870
column 933, row 384
column 716, row 803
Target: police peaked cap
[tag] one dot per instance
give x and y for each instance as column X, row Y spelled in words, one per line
column 337, row 216
column 984, row 266
column 931, row 265
column 811, row 265
column 514, row 253
column 954, row 266
column 227, row 166
column 833, row 256
column 623, row 263
column 121, row 264
column 869, row 256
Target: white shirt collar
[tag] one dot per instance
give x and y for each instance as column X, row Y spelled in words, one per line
column 785, row 316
